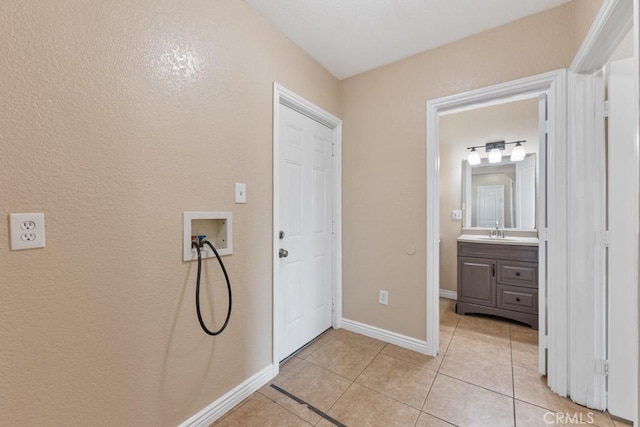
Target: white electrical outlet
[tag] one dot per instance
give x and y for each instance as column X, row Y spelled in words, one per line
column 27, row 231
column 384, row 297
column 456, row 215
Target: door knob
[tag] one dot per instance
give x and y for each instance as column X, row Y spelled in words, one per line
column 283, row 253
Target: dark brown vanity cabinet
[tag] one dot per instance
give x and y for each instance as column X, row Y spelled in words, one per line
column 498, row 279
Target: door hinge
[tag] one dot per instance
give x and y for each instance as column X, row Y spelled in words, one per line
column 543, row 341
column 602, row 367
column 333, row 225
column 606, row 238
column 543, row 235
column 545, row 126
column 605, row 109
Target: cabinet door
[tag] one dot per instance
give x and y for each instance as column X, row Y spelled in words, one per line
column 477, row 281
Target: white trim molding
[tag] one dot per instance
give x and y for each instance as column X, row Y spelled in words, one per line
column 611, row 25
column 284, row 97
column 554, row 85
column 385, row 336
column 224, row 404
column 445, row 293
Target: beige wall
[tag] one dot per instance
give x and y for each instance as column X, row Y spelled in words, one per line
column 384, row 153
column 117, row 116
column 509, row 122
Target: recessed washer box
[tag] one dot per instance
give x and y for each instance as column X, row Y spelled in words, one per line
column 218, row 228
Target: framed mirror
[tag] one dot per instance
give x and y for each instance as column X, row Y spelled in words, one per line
column 500, row 194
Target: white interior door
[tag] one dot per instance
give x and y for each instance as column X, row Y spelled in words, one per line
column 490, row 205
column 543, row 139
column 305, row 221
column 623, row 240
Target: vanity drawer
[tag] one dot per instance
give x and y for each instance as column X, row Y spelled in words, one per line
column 518, row 299
column 518, row 273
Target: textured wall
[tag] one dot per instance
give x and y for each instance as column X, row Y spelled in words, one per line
column 509, row 122
column 117, row 116
column 384, row 154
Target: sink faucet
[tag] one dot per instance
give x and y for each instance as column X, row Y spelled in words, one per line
column 497, row 233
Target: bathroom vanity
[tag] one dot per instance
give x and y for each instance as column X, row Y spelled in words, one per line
column 498, row 276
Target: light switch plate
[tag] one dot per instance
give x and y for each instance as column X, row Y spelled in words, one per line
column 27, row 231
column 241, row 192
column 456, row 215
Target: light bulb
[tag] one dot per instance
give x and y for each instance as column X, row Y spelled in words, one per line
column 518, row 153
column 495, row 156
column 474, row 157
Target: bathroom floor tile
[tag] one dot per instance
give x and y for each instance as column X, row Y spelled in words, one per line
column 464, row 404
column 447, row 305
column 482, row 326
column 446, row 334
column 397, row 379
column 311, row 383
column 476, row 346
column 488, row 372
column 524, row 349
column 360, row 406
column 258, row 411
column 449, row 318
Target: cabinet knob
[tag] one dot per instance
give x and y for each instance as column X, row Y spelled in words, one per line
column 517, row 299
column 517, row 274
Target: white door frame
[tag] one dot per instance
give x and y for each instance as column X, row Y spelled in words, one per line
column 555, row 235
column 284, row 97
column 588, row 312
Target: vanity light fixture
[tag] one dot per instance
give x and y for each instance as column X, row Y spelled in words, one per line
column 495, row 156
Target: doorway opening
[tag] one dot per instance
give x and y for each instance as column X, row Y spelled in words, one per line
column 550, row 210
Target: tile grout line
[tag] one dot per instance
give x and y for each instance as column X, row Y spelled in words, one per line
column 315, row 364
column 476, row 385
column 270, row 400
column 455, row 328
column 352, row 381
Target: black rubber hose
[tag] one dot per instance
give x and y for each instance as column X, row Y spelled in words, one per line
column 226, row 276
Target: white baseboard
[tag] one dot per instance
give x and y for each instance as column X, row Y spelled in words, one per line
column 444, row 293
column 227, row 402
column 386, row 336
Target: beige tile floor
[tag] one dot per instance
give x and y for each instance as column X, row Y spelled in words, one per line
column 485, row 375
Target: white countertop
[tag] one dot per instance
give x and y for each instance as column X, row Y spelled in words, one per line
column 508, row 240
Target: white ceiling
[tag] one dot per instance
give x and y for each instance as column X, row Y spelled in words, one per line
column 349, row 37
